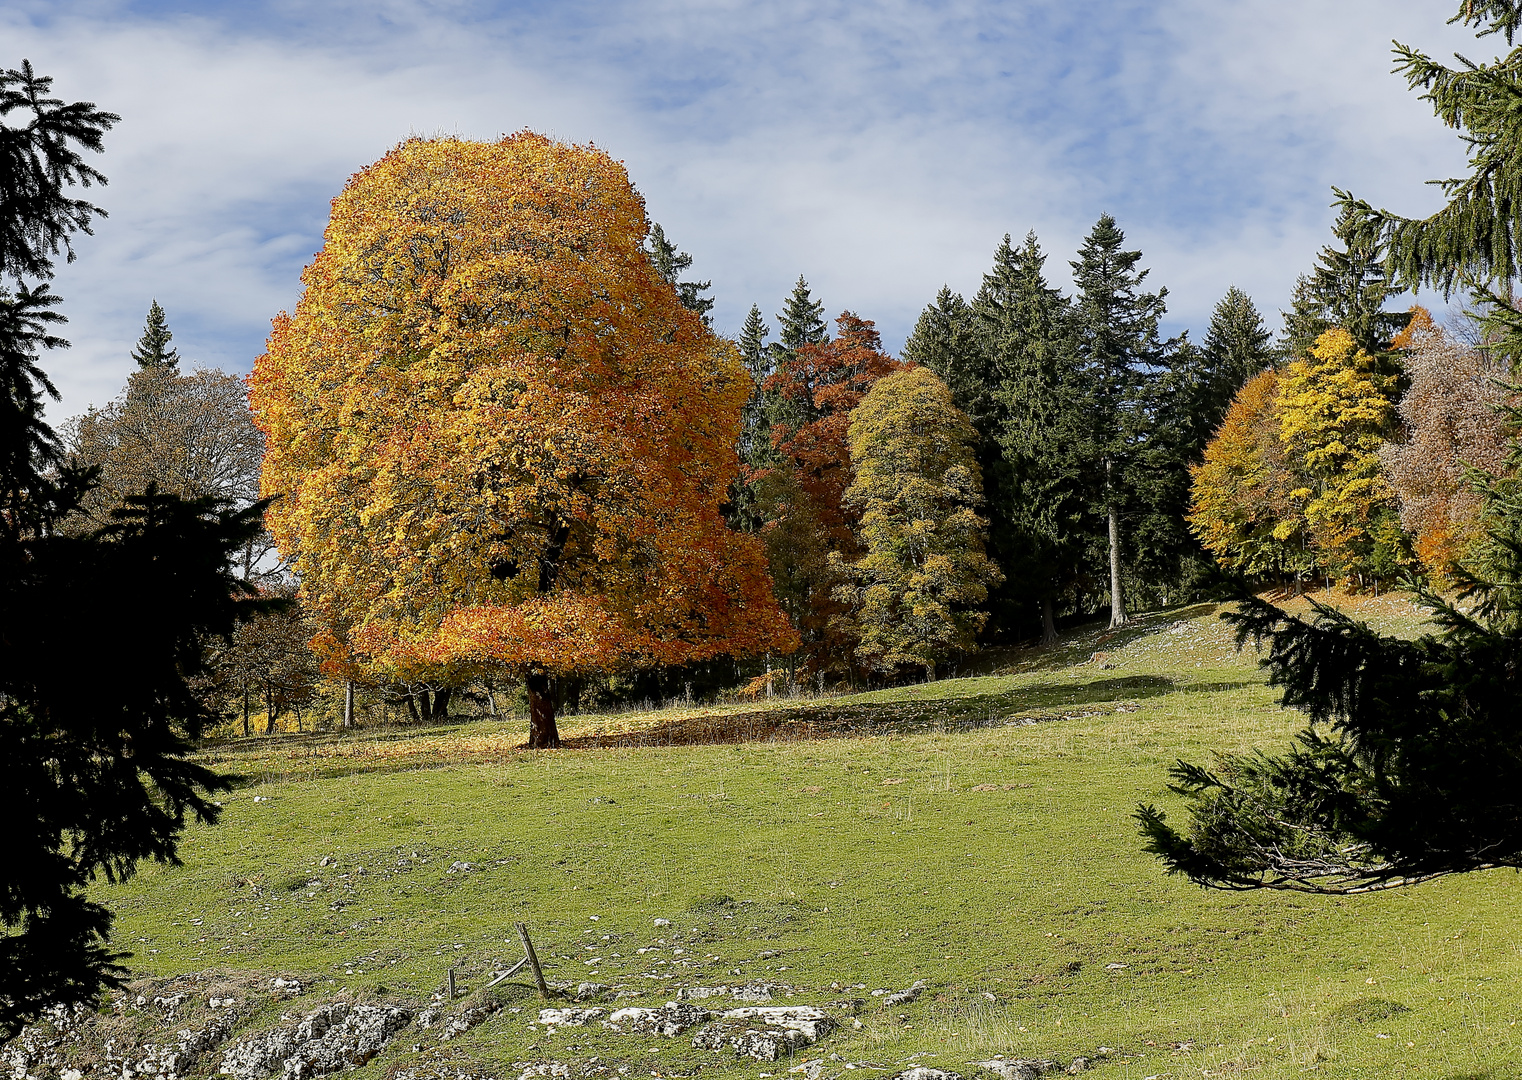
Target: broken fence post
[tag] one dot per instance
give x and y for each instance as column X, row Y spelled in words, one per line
column 451, row 984
column 533, row 961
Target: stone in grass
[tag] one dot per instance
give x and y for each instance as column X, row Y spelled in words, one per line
column 925, row 1072
column 326, row 1040
column 814, row 1023
column 570, row 1017
column 1021, row 1068
column 765, row 1034
column 669, row 1020
column 591, row 991
column 903, row 997
column 466, row 1019
column 762, row 1044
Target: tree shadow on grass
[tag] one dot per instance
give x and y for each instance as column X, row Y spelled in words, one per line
column 267, row 758
column 1078, row 643
column 1042, row 703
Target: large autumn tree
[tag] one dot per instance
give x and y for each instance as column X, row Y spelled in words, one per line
column 497, row 436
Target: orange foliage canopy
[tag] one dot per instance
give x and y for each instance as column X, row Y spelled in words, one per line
column 496, row 434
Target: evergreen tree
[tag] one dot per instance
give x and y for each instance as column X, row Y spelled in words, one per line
column 801, row 322
column 1174, row 427
column 757, row 454
column 1237, row 347
column 1346, row 289
column 91, row 783
column 1186, row 402
column 1026, row 324
column 153, row 350
column 1412, row 762
column 945, row 340
column 671, row 263
column 1304, row 322
column 800, row 325
column 1119, row 348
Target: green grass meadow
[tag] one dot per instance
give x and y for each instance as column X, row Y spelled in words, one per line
column 929, row 832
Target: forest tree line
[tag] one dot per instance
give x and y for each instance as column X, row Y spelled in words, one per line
column 1032, row 457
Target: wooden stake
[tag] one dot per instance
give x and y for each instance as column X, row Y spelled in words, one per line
column 509, row 973
column 451, row 984
column 533, row 961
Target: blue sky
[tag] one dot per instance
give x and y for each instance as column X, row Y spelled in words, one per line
column 880, row 148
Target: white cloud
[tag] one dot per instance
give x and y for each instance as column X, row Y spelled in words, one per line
column 879, row 148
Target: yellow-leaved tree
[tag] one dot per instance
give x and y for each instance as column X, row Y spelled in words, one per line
column 1335, row 411
column 1242, row 510
column 918, row 595
column 496, row 436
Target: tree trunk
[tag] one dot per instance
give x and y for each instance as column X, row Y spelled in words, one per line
column 349, row 705
column 542, row 733
column 411, row 706
column 245, row 707
column 1117, row 598
column 491, row 700
column 440, row 710
column 269, row 712
column 1048, row 624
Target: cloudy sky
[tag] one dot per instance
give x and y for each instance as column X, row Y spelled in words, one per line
column 880, row 148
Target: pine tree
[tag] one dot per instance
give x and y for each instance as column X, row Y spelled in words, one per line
column 153, row 349
column 671, row 263
column 1118, row 345
column 1026, row 324
column 1411, row 764
column 1237, row 347
column 1304, row 322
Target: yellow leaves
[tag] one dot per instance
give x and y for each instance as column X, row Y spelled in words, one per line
column 498, row 432
column 919, row 587
column 1296, row 465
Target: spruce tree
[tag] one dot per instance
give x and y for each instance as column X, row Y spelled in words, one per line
column 153, row 349
column 1026, row 325
column 1412, row 762
column 1237, row 346
column 91, row 783
column 1304, row 322
column 801, row 322
column 756, row 452
column 671, row 263
column 1119, row 348
column 945, row 340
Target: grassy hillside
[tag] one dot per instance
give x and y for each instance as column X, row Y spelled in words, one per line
column 974, row 833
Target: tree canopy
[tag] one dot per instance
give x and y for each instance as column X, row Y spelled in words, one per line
column 919, row 591
column 497, row 435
